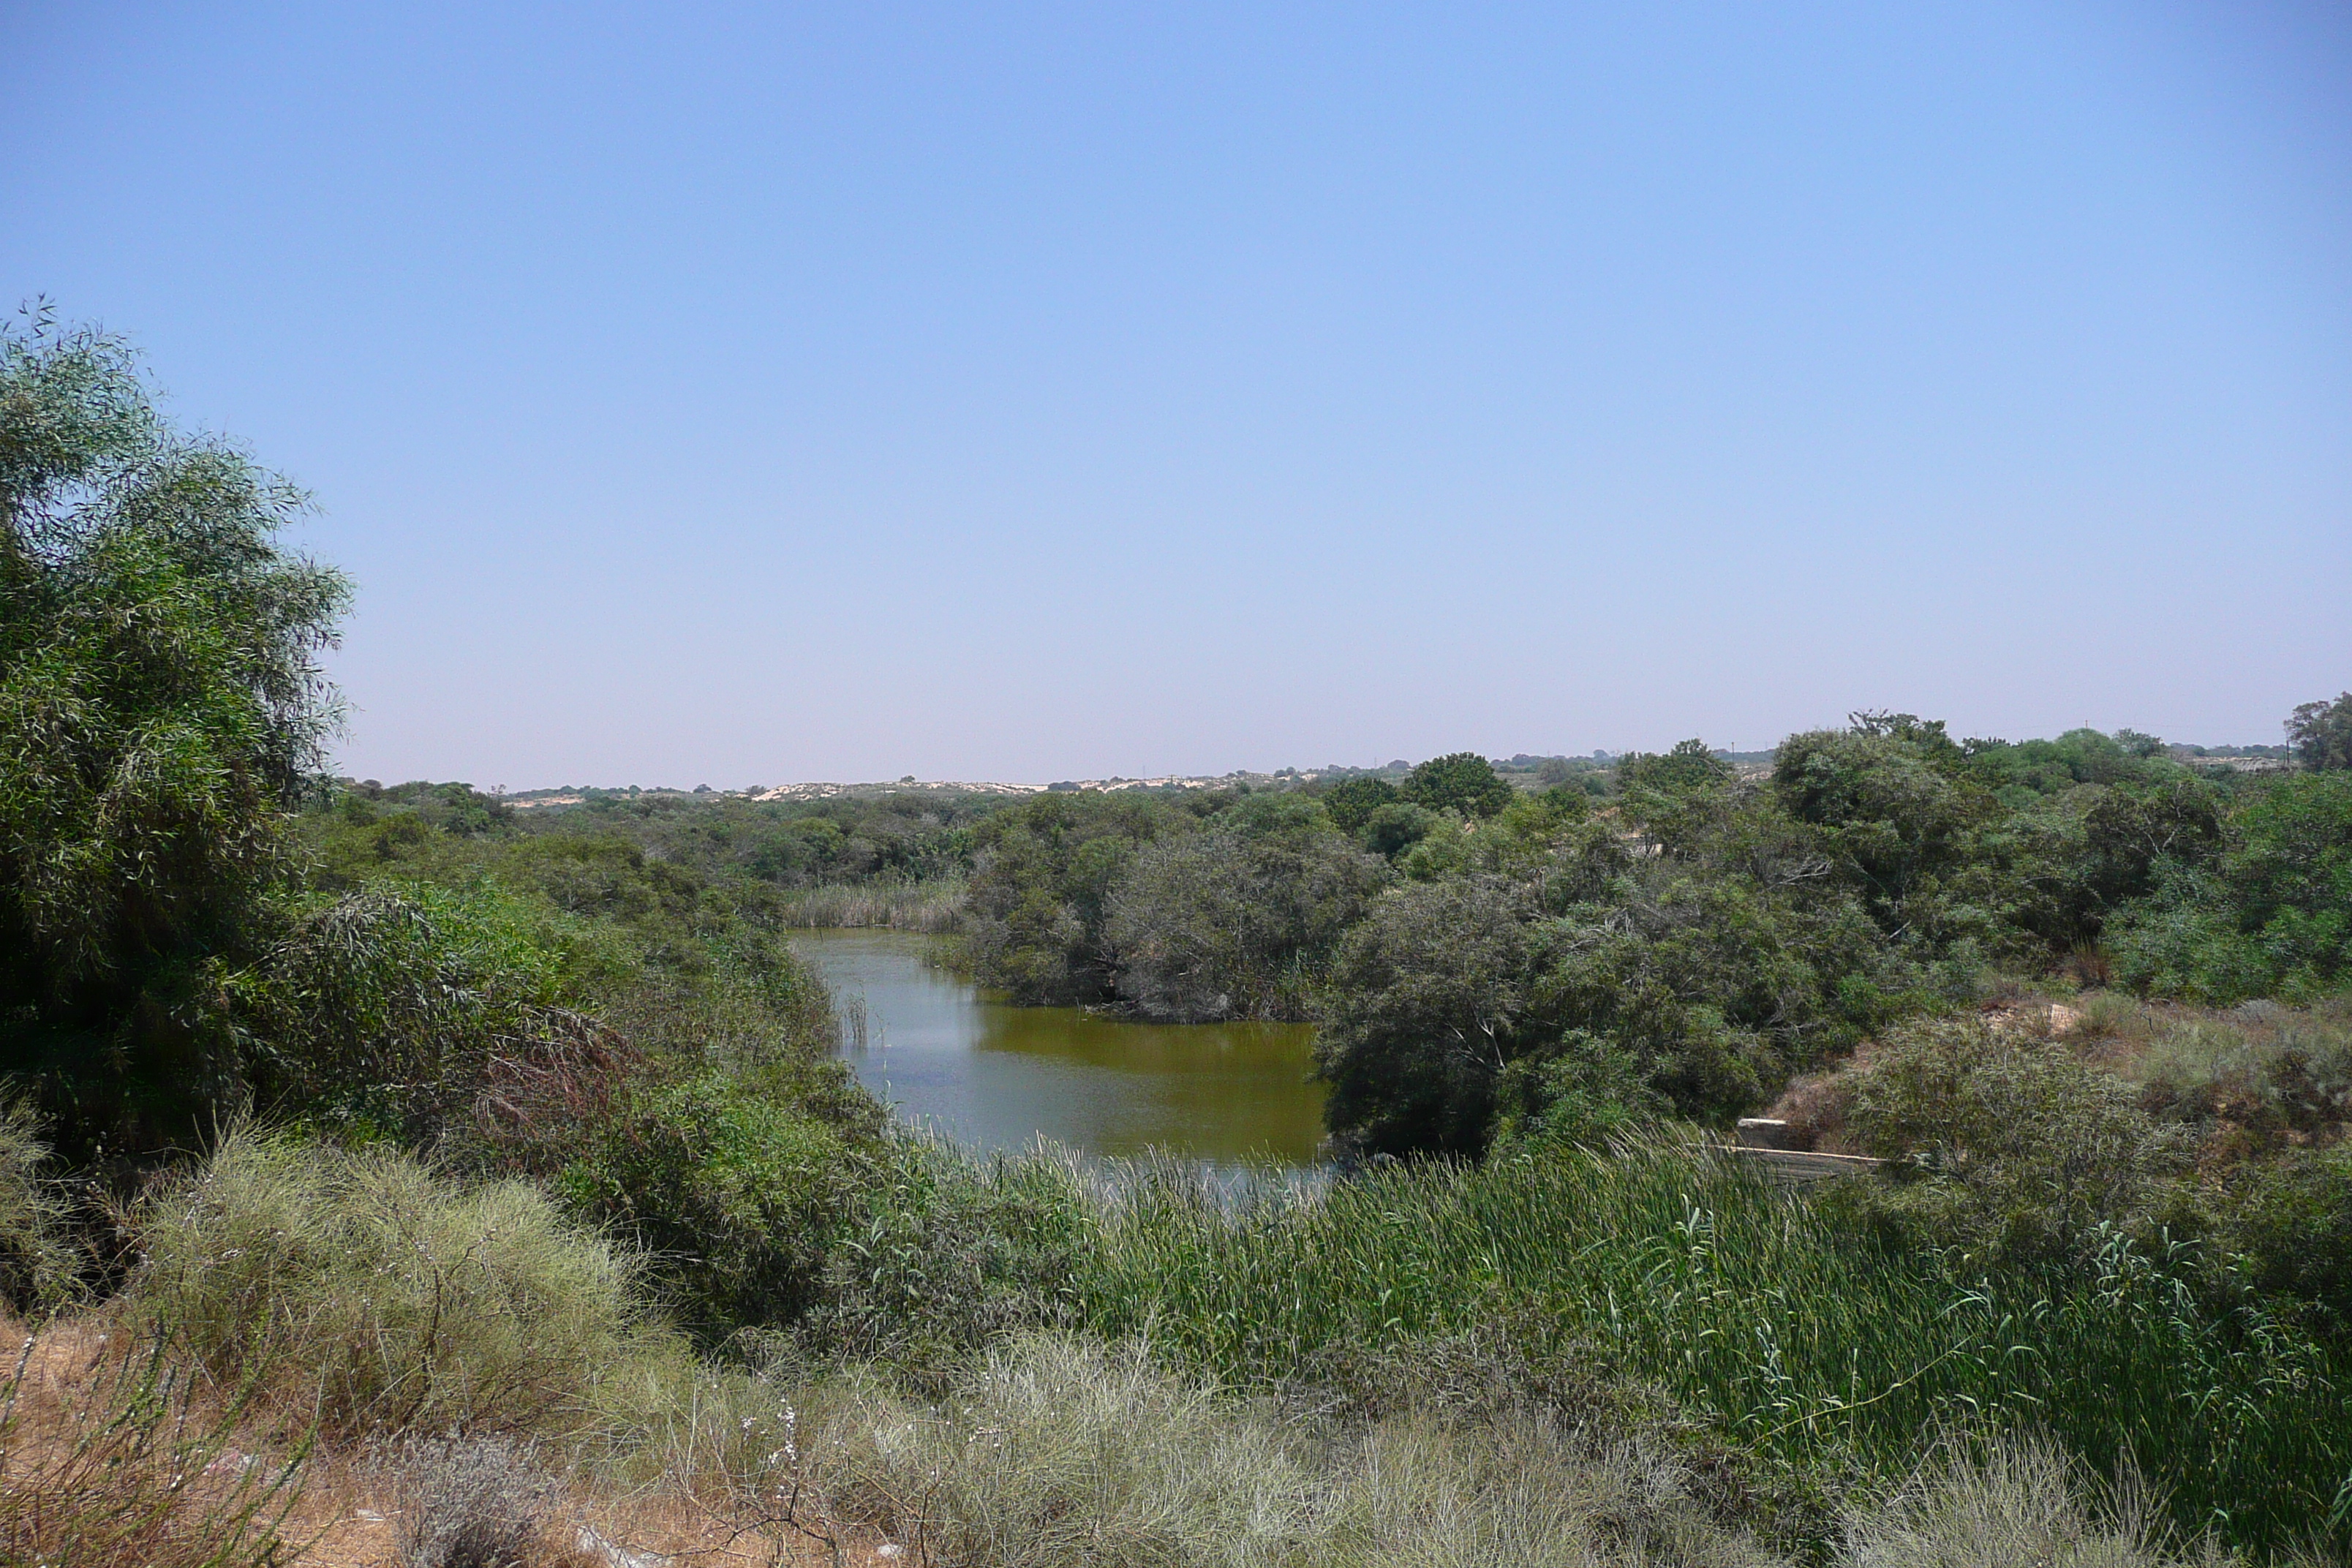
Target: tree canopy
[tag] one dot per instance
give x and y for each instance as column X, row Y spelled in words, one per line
column 161, row 706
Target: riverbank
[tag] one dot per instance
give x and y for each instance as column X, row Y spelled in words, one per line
column 947, row 1056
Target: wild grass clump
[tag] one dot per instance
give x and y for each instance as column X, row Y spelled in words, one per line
column 1054, row 1451
column 1063, row 1451
column 475, row 1502
column 2261, row 1073
column 126, row 1469
column 1813, row 1348
column 2024, row 1502
column 369, row 1288
column 36, row 1263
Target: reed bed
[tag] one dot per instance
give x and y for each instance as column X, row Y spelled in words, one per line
column 932, row 907
column 1814, row 1349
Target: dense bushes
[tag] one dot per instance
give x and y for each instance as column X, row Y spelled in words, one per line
column 1239, row 920
column 1041, row 889
column 1430, row 1004
column 736, row 1197
column 160, row 709
column 2270, row 916
column 2019, row 1150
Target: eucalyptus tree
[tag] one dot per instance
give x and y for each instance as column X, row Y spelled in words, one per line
column 161, row 707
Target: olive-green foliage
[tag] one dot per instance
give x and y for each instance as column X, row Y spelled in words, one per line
column 1719, row 961
column 1352, row 801
column 1582, row 1090
column 908, row 835
column 568, row 948
column 390, row 1007
column 1727, row 965
column 1238, row 921
column 1430, row 1002
column 735, row 1196
column 1891, row 804
column 2017, row 1149
column 1041, row 888
column 1392, row 829
column 160, row 705
column 2270, row 915
column 944, row 1251
column 368, row 1287
column 1690, row 765
column 2021, row 772
column 2321, row 734
column 2289, row 1220
column 1460, row 781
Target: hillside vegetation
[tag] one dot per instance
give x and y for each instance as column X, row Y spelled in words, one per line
column 392, row 1160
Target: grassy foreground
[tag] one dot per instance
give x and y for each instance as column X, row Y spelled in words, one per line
column 1822, row 1356
column 1571, row 1358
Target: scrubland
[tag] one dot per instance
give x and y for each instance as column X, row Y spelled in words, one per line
column 387, row 1178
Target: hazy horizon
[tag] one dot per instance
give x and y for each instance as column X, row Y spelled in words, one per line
column 1043, row 393
column 739, row 786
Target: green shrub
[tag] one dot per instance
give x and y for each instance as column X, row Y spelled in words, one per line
column 1238, row 921
column 1585, row 1092
column 1042, row 878
column 735, row 1197
column 1429, row 1004
column 1461, row 781
column 2272, row 916
column 945, row 1251
column 390, row 1008
column 2290, row 1220
column 161, row 706
column 386, row 1298
column 2014, row 1147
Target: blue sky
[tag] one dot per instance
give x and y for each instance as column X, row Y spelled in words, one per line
column 732, row 395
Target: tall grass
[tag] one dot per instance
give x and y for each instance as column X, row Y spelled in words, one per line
column 1058, row 1452
column 933, row 906
column 1812, row 1349
column 125, row 1467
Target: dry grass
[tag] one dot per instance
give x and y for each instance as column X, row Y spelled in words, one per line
column 111, row 1458
column 1059, row 1453
column 373, row 1294
column 2022, row 1504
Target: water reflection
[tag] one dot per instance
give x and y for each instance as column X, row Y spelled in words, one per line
column 995, row 1077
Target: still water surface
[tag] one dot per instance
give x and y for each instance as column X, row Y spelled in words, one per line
column 995, row 1077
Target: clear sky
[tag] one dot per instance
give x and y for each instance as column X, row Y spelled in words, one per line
column 724, row 394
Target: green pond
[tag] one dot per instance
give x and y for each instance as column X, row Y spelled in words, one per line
column 993, row 1075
